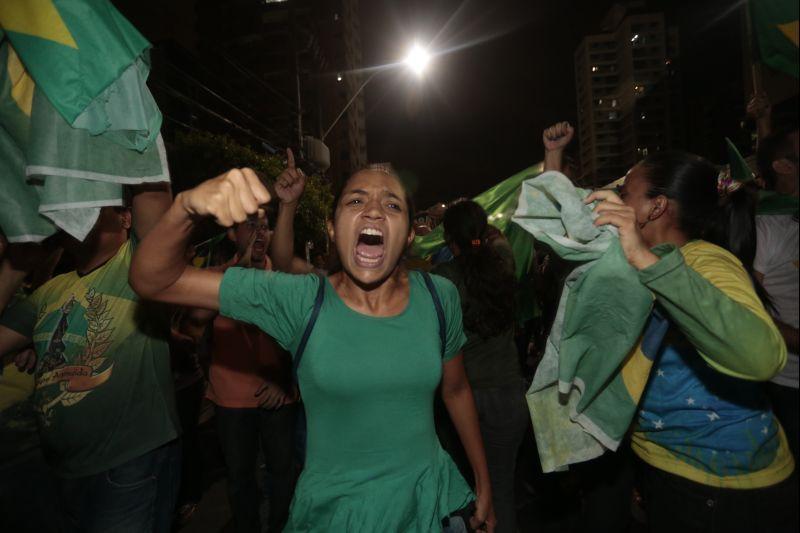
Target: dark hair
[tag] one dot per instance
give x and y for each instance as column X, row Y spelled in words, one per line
column 384, row 168
column 773, row 148
column 489, row 282
column 727, row 221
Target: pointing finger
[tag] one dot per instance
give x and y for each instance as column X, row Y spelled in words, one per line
column 290, row 159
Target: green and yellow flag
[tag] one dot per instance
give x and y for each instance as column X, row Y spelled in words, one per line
column 775, row 28
column 78, row 119
column 74, row 49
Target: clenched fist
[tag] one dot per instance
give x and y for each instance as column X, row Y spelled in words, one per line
column 557, row 136
column 229, row 198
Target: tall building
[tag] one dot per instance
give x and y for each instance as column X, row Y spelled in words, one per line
column 627, row 92
column 348, row 137
column 267, row 72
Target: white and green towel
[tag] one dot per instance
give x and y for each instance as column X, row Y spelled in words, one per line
column 580, row 402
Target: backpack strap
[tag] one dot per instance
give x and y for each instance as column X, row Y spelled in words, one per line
column 437, row 303
column 298, row 355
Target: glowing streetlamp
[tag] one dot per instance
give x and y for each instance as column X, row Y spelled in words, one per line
column 417, row 61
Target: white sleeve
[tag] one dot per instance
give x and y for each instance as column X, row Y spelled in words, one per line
column 764, row 245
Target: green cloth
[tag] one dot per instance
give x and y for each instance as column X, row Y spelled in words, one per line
column 775, row 31
column 74, row 50
column 739, row 169
column 499, row 202
column 56, row 176
column 579, row 402
column 492, row 362
column 714, row 305
column 104, row 390
column 374, row 462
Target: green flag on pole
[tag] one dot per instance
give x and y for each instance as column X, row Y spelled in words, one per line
column 776, row 32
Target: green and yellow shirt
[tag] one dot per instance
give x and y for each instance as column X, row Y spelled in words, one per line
column 103, row 385
column 704, row 415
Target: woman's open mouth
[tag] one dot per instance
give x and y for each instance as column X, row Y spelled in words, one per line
column 369, row 248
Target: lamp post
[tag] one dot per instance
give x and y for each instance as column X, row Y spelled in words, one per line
column 417, row 61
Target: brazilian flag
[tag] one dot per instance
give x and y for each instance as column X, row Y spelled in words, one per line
column 78, row 119
column 776, row 31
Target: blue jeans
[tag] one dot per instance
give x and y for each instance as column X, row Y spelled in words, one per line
column 135, row 497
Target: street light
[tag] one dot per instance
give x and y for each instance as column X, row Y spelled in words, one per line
column 417, row 61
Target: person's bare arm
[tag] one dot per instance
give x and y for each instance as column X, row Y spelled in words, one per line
column 555, row 140
column 457, row 395
column 289, row 188
column 10, row 342
column 759, row 109
column 159, row 270
column 150, row 202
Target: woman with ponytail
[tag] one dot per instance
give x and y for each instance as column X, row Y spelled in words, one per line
column 713, row 457
column 483, row 272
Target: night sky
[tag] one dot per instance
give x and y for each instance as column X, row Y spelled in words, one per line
column 477, row 118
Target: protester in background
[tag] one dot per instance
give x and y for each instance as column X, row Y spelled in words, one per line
column 27, row 484
column 251, row 386
column 776, row 267
column 713, row 456
column 483, row 272
column 372, row 362
column 104, row 393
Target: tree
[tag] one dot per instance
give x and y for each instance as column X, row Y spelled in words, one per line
column 198, row 155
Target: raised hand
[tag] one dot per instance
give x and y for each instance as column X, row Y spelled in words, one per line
column 290, row 184
column 557, row 136
column 612, row 210
column 229, row 198
column 758, row 106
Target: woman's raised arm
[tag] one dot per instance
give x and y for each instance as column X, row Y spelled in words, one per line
column 159, row 270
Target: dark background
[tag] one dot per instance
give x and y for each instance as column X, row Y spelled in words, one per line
column 478, row 117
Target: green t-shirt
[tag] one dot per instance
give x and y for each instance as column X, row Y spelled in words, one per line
column 104, row 390
column 374, row 462
column 489, row 362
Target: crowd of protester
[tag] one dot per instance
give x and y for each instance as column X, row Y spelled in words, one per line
column 381, row 397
